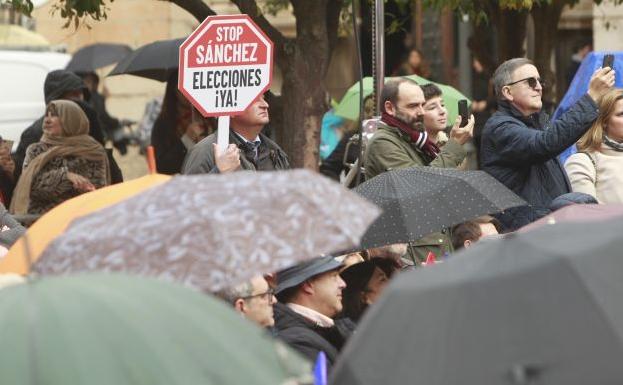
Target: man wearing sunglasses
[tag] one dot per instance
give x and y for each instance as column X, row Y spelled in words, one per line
column 520, row 145
column 253, row 299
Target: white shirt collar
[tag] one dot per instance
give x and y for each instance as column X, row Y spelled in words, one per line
column 312, row 315
column 257, row 138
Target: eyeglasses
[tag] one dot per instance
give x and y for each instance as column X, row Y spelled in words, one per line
column 531, row 82
column 267, row 295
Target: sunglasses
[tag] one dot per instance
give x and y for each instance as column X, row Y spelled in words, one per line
column 532, row 81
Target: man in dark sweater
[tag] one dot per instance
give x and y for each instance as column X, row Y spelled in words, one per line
column 310, row 297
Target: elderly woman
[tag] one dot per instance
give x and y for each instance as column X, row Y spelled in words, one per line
column 597, row 168
column 65, row 163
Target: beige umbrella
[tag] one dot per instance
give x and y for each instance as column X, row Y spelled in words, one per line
column 14, row 36
column 211, row 231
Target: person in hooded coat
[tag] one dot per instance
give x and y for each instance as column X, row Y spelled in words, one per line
column 64, row 85
column 65, row 163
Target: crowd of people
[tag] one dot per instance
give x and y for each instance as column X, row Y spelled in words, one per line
column 315, row 306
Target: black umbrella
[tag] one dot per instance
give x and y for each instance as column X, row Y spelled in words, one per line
column 94, row 56
column 157, row 60
column 544, row 307
column 417, row 201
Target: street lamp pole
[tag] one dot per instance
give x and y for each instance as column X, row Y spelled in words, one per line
column 378, row 54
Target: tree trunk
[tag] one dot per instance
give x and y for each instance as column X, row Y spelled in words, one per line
column 546, row 17
column 303, row 93
column 511, row 28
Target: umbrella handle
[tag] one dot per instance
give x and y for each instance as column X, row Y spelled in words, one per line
column 151, row 160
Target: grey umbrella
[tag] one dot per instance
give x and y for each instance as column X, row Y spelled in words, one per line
column 420, row 200
column 157, row 60
column 544, row 307
column 212, row 231
column 94, row 56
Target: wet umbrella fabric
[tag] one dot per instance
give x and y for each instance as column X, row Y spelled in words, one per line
column 94, row 56
column 537, row 308
column 102, row 329
column 157, row 61
column 578, row 213
column 212, row 231
column 417, row 201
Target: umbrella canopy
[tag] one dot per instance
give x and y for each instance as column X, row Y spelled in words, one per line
column 349, row 105
column 212, row 231
column 537, row 308
column 94, row 56
column 157, row 61
column 29, row 247
column 577, row 213
column 107, row 329
column 417, row 201
column 580, row 82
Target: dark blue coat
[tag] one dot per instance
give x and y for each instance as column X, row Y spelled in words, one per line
column 521, row 152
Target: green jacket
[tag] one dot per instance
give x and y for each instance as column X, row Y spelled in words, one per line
column 390, row 149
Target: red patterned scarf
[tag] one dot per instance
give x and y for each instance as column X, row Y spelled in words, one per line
column 419, row 139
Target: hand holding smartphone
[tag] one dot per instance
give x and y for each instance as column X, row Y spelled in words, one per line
column 608, row 61
column 463, row 112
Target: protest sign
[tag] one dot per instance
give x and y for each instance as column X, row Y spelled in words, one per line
column 225, row 64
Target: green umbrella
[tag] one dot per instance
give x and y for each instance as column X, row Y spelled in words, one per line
column 113, row 329
column 349, row 105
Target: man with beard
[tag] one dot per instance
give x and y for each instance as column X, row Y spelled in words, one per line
column 401, row 140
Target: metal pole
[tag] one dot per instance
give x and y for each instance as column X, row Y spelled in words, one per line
column 379, row 53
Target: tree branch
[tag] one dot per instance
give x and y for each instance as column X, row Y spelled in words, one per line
column 250, row 8
column 197, row 8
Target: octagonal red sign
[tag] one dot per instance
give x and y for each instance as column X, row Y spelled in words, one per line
column 225, row 64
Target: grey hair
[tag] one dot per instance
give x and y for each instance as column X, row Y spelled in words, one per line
column 231, row 294
column 504, row 74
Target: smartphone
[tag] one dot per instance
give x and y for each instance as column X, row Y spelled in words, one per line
column 463, row 112
column 608, row 61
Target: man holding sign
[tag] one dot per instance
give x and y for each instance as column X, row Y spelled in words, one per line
column 249, row 149
column 225, row 69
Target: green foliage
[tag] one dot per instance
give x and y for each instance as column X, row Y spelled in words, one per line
column 272, row 7
column 80, row 11
column 21, row 6
column 76, row 12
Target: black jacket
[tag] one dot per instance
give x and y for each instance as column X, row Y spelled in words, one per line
column 308, row 339
column 168, row 147
column 521, row 152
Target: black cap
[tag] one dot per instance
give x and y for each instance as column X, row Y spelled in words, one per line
column 295, row 275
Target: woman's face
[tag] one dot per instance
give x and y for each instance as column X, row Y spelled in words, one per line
column 52, row 124
column 375, row 287
column 415, row 59
column 614, row 128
